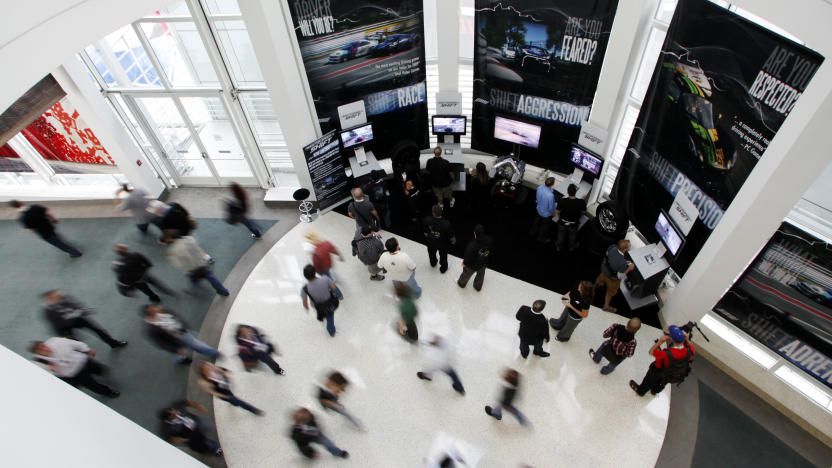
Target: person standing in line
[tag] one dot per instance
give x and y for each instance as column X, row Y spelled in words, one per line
column 439, row 236
column 327, row 395
column 368, row 247
column 38, row 219
column 66, row 314
column 510, row 384
column 362, row 211
column 72, row 361
column 321, row 291
column 413, row 199
column 185, row 255
column 533, row 328
column 575, row 308
column 407, row 313
column 132, row 274
column 400, row 267
column 305, row 432
column 613, row 266
column 441, row 177
column 379, row 195
column 180, row 426
column 620, row 344
column 569, row 210
column 478, row 191
column 476, row 257
column 254, row 347
column 236, row 210
column 675, row 358
column 171, row 333
column 545, row 210
column 214, row 380
column 138, row 204
column 439, row 355
column 322, row 253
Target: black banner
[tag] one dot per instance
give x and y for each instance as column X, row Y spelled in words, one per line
column 784, row 301
column 537, row 63
column 371, row 50
column 326, row 168
column 721, row 89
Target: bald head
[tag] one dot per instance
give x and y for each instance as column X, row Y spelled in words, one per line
column 623, row 245
column 357, row 193
column 633, row 324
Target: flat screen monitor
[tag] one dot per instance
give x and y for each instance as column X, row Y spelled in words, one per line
column 671, row 236
column 515, row 131
column 449, row 124
column 586, row 161
column 357, row 136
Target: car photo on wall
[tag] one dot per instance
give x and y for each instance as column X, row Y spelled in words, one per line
column 396, row 43
column 352, row 50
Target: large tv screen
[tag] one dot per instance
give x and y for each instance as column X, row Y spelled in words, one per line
column 586, row 161
column 449, row 124
column 515, row 131
column 671, row 237
column 357, row 136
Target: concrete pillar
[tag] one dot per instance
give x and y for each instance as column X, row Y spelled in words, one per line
column 447, row 32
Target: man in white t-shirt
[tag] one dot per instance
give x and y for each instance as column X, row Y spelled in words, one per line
column 399, row 267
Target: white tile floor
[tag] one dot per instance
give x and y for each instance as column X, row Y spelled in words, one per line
column 580, row 417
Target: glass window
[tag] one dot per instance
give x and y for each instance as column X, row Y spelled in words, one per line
column 665, row 10
column 177, row 9
column 466, row 29
column 648, row 63
column 222, row 7
column 211, row 122
column 180, row 52
column 239, row 54
column 121, row 60
column 624, row 133
column 261, row 114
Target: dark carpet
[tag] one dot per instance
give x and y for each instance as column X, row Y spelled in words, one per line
column 147, row 376
column 729, row 437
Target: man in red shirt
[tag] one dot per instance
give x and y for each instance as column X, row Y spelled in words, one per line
column 681, row 350
column 322, row 256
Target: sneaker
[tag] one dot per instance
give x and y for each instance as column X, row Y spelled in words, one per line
column 345, row 454
column 219, row 451
column 376, row 277
column 112, row 393
column 443, row 270
column 592, row 353
column 118, row 344
column 423, row 376
column 610, row 309
column 542, row 354
column 634, row 386
column 281, row 372
column 488, row 410
column 460, row 390
column 255, row 237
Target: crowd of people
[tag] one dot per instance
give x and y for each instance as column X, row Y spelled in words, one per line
column 73, row 360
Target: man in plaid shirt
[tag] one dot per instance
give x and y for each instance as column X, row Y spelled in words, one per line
column 620, row 344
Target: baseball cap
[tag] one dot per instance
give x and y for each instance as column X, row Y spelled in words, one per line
column 676, row 334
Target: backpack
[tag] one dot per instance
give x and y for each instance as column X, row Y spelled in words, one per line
column 677, row 369
column 324, row 308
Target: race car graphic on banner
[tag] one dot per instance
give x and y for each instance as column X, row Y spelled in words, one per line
column 371, row 50
column 720, row 90
column 537, row 61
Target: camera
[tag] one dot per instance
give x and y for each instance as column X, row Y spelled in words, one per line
column 688, row 328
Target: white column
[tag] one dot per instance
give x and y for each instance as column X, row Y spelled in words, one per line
column 96, row 111
column 273, row 39
column 447, row 32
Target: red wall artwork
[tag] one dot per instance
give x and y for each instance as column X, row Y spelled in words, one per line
column 60, row 134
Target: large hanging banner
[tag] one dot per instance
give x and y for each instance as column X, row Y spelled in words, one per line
column 537, row 62
column 371, row 50
column 784, row 300
column 721, row 89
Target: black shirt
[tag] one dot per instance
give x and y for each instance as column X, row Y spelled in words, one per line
column 533, row 327
column 438, row 231
column 362, row 211
column 304, row 434
column 326, row 395
column 132, row 267
column 185, row 425
column 440, row 172
column 578, row 302
column 35, row 218
column 509, row 393
column 478, row 252
column 571, row 209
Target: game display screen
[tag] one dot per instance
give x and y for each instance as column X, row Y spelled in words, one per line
column 586, row 161
column 357, row 136
column 449, row 125
column 514, row 131
column 671, row 238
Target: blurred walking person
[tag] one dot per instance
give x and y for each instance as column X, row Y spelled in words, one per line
column 508, row 392
column 215, row 380
column 407, row 313
column 171, row 333
column 137, row 203
column 185, row 255
column 132, row 274
column 72, row 361
column 236, row 210
column 322, row 253
column 321, row 291
column 254, row 347
column 66, row 314
column 179, row 426
column 368, row 247
column 439, row 356
column 37, row 218
column 305, row 432
column 329, row 393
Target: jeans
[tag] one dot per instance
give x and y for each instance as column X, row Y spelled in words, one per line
column 56, row 240
column 540, row 227
column 206, row 273
column 443, row 256
column 373, row 269
column 497, row 413
column 599, row 354
column 466, row 275
column 565, row 231
column 251, row 226
column 189, row 340
column 330, row 323
column 337, row 292
column 328, row 445
column 411, row 283
column 238, row 402
column 343, row 412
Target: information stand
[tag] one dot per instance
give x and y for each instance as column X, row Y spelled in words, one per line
column 326, row 169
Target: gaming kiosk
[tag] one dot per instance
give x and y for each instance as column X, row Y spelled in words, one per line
column 357, row 132
column 651, row 263
column 448, row 129
column 587, row 168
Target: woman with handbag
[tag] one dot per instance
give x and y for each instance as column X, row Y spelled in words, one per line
column 321, row 291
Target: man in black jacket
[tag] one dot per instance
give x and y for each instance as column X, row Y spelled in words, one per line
column 38, row 219
column 132, row 273
column 439, row 235
column 476, row 257
column 305, row 431
column 168, row 331
column 180, row 426
column 65, row 314
column 441, row 177
column 534, row 329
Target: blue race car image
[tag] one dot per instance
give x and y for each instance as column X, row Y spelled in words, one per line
column 396, row 43
column 350, row 51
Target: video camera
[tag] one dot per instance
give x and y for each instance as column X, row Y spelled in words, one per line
column 688, row 328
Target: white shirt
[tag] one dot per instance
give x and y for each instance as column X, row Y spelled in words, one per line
column 399, row 266
column 185, row 255
column 68, row 356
